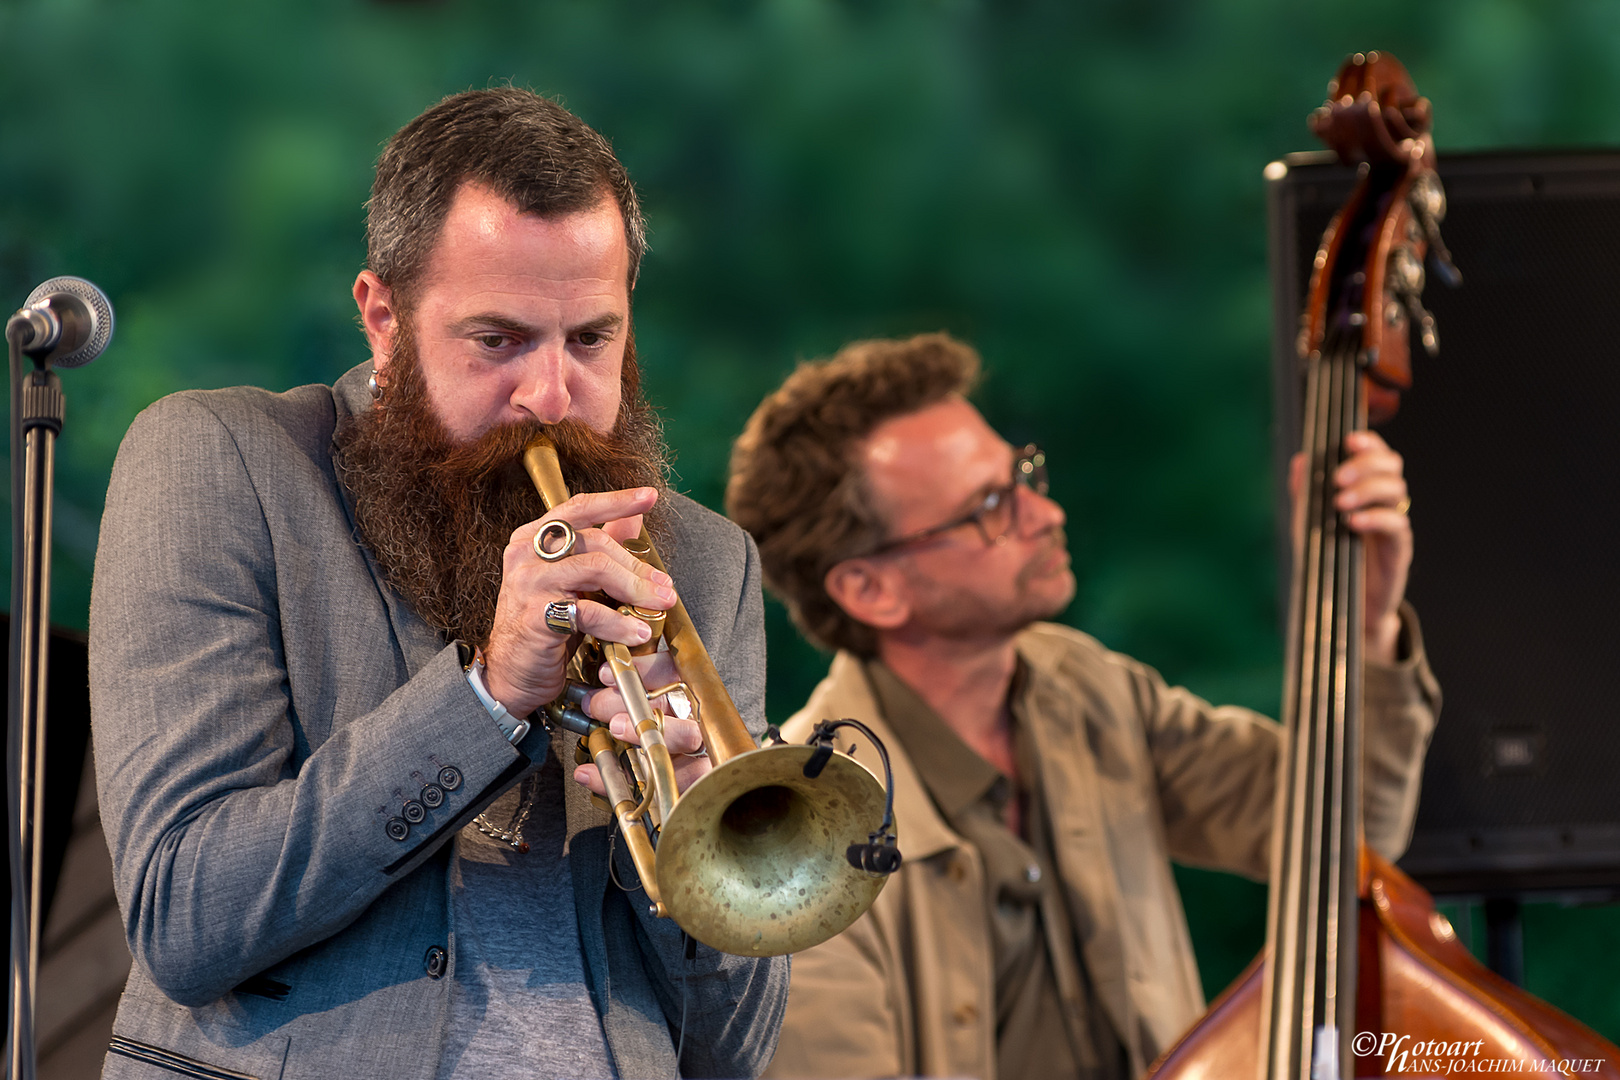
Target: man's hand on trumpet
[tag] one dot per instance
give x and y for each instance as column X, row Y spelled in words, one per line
column 682, row 736
column 527, row 655
column 526, row 659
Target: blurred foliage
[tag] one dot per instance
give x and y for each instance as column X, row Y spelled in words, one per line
column 1075, row 187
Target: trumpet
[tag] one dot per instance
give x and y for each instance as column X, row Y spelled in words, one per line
column 763, row 854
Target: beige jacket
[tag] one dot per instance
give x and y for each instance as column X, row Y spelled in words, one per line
column 1136, row 773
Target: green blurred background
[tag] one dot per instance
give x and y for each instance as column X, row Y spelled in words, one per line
column 1075, row 187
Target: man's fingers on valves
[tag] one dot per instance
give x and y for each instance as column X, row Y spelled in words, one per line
column 570, row 614
column 681, row 736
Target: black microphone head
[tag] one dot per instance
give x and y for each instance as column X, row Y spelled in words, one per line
column 880, row 857
column 86, row 316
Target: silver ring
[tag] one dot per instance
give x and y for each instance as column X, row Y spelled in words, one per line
column 557, row 529
column 562, row 616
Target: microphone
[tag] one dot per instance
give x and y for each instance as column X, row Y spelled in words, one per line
column 66, row 322
column 879, row 856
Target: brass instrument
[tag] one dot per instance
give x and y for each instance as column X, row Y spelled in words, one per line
column 755, row 858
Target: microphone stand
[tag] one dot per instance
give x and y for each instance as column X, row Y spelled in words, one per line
column 36, row 420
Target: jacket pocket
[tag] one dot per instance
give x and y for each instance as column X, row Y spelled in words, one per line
column 169, row 1061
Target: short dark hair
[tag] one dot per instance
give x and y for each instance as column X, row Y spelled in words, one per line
column 529, row 150
column 796, row 485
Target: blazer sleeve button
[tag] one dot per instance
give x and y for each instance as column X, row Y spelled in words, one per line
column 435, row 962
column 432, row 796
column 449, row 778
column 413, row 812
column 396, row 828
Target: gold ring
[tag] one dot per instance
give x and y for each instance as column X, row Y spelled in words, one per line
column 1404, row 505
column 560, row 531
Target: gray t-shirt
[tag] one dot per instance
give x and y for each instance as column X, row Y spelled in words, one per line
column 519, row 1005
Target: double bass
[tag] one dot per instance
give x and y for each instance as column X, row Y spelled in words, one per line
column 1361, row 976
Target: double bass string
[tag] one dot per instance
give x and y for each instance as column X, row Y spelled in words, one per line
column 1284, row 974
column 1325, row 539
column 1309, row 994
column 1336, row 974
column 1282, row 931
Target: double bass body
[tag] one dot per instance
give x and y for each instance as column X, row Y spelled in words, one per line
column 1424, row 1006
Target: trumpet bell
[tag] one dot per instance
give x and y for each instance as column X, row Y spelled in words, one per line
column 752, row 859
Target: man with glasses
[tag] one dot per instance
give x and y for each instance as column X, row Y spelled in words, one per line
column 1043, row 783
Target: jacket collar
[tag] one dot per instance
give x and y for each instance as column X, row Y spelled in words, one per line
column 845, row 692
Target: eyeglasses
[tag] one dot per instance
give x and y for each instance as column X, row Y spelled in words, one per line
column 997, row 516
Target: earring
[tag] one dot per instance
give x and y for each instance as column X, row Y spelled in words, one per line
column 375, row 387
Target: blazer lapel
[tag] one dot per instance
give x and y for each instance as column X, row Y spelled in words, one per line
column 414, row 641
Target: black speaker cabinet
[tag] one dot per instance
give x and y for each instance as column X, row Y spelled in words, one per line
column 1512, row 451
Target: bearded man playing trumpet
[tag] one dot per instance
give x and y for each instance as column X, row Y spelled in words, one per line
column 322, row 623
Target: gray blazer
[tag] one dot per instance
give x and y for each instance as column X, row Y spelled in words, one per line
column 263, row 706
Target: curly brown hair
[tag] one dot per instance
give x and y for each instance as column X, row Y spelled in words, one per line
column 795, row 482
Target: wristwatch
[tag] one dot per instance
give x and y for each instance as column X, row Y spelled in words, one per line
column 513, row 728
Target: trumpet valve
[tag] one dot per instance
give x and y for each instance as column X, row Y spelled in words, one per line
column 655, row 622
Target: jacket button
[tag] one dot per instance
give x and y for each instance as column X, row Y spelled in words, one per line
column 449, row 778
column 432, row 796
column 965, row 1014
column 435, row 962
column 413, row 812
column 396, row 828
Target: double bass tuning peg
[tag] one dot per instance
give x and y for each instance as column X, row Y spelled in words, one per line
column 1404, row 280
column 1428, row 201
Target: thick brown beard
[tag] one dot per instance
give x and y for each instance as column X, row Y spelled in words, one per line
column 437, row 514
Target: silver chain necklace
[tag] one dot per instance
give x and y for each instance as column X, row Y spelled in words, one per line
column 512, row 835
